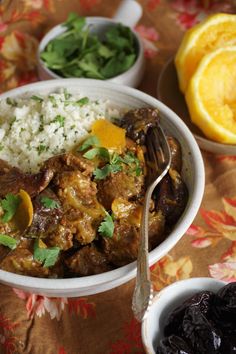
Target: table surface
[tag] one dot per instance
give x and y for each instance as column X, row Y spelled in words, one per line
column 104, row 323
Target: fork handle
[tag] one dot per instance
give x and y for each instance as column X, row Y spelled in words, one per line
column 143, row 291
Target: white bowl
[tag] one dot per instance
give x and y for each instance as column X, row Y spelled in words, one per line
column 166, row 301
column 193, row 174
column 99, row 25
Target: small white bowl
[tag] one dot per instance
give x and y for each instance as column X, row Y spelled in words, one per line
column 99, row 25
column 192, row 171
column 166, row 301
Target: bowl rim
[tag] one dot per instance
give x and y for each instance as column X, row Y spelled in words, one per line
column 193, row 204
column 184, row 284
column 58, row 29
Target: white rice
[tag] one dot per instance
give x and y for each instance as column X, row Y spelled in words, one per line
column 31, row 131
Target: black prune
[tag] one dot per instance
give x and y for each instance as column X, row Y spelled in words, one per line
column 201, row 300
column 224, row 309
column 200, row 332
column 173, row 345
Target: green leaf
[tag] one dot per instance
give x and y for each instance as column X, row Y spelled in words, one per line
column 49, row 203
column 106, row 228
column 11, row 102
column 9, row 205
column 41, row 148
column 75, row 21
column 47, row 256
column 8, row 241
column 91, row 141
column 97, row 152
column 36, row 98
column 83, row 101
column 102, row 173
column 59, row 119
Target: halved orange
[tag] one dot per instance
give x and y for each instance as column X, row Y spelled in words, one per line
column 211, row 95
column 215, row 31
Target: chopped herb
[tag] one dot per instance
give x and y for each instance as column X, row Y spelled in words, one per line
column 130, row 159
column 41, row 148
column 47, row 256
column 9, row 206
column 106, row 228
column 67, row 94
column 83, row 101
column 11, row 102
column 36, row 98
column 1, row 147
column 101, row 173
column 41, row 126
column 60, row 119
column 8, row 241
column 49, row 203
column 97, row 152
column 78, row 52
column 91, row 141
column 52, row 99
column 12, row 122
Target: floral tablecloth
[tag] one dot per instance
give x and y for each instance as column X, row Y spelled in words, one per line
column 104, row 323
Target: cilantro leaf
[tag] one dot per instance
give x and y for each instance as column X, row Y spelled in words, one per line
column 9, row 205
column 49, row 203
column 97, row 151
column 8, row 241
column 59, row 119
column 47, row 256
column 91, row 141
column 83, row 101
column 101, row 173
column 36, row 98
column 11, row 102
column 106, row 228
column 41, row 148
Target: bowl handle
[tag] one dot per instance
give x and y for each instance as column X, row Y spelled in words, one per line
column 128, row 13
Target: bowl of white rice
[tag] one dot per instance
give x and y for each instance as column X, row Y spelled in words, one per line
column 47, row 118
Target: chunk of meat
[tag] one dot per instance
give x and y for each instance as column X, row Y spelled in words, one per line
column 69, row 162
column 88, row 261
column 137, row 121
column 176, row 154
column 156, row 232
column 83, row 212
column 119, row 185
column 122, row 248
column 45, row 219
column 14, row 180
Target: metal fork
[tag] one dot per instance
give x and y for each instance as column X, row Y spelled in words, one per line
column 158, row 164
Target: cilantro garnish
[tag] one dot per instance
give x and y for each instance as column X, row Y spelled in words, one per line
column 41, row 148
column 9, row 206
column 36, row 98
column 59, row 119
column 91, row 141
column 106, row 228
column 97, row 152
column 52, row 99
column 78, row 52
column 49, row 203
column 11, row 102
column 83, row 101
column 8, row 241
column 101, row 173
column 47, row 256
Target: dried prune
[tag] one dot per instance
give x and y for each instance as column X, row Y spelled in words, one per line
column 174, row 345
column 224, row 309
column 201, row 300
column 200, row 332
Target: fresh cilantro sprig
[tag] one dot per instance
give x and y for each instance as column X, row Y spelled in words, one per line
column 106, row 228
column 47, row 256
column 89, row 142
column 78, row 52
column 49, row 203
column 8, row 241
column 37, row 98
column 9, row 206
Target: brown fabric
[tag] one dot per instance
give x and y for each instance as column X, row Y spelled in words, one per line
column 103, row 323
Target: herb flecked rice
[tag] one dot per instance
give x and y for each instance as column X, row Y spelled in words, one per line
column 34, row 128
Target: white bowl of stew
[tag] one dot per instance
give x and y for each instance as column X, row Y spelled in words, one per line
column 192, row 173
